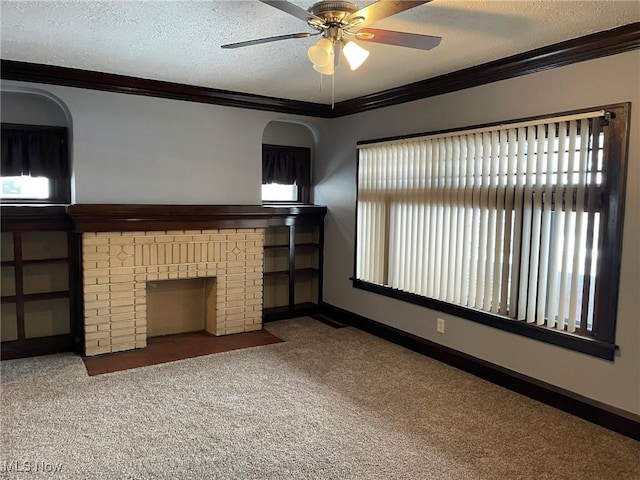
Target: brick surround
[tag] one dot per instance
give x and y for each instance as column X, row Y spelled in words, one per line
column 117, row 265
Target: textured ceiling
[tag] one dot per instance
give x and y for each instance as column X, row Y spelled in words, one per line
column 179, row 41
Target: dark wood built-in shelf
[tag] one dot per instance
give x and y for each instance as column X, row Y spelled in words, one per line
column 19, row 221
column 30, row 297
column 41, row 261
column 307, row 224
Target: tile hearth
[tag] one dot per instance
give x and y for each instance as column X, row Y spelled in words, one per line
column 171, row 348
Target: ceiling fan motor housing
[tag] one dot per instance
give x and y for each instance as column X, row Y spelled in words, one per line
column 334, row 13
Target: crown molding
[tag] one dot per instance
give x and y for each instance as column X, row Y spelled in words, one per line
column 589, row 47
column 109, row 82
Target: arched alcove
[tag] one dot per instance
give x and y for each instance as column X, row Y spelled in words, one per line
column 282, row 132
column 32, row 108
column 292, row 253
column 287, row 138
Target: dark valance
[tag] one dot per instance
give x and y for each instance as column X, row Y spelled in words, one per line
column 37, row 151
column 286, row 165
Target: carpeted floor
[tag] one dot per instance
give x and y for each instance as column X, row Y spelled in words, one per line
column 325, row 404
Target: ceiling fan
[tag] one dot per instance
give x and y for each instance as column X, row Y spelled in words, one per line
column 335, row 21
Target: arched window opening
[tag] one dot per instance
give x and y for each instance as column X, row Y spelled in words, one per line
column 35, row 162
column 286, row 163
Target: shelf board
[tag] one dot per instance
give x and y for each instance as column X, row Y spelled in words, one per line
column 45, row 261
column 276, row 273
column 275, row 310
column 30, row 297
column 309, row 270
column 308, row 245
column 286, row 272
column 286, row 245
column 40, row 261
column 274, row 247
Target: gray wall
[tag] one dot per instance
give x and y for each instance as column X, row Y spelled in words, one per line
column 287, row 133
column 135, row 149
column 598, row 82
column 17, row 107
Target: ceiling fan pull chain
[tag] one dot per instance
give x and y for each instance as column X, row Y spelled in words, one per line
column 333, row 89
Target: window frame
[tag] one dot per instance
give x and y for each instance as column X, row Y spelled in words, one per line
column 602, row 343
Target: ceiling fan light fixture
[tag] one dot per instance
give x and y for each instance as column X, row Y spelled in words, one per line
column 355, row 54
column 320, row 53
column 326, row 70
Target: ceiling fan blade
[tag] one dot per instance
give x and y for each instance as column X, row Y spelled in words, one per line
column 268, row 39
column 383, row 9
column 292, row 9
column 401, row 39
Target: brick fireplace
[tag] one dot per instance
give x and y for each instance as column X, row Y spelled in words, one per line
column 127, row 248
column 118, row 265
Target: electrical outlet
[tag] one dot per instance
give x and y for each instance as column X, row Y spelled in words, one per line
column 440, row 325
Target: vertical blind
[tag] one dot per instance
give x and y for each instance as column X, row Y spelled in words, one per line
column 504, row 220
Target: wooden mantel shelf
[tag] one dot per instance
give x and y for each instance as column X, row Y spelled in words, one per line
column 33, row 217
column 131, row 217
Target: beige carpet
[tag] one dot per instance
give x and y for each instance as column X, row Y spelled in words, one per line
column 325, row 404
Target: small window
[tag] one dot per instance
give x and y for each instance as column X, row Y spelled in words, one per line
column 276, row 192
column 25, row 188
column 286, row 173
column 35, row 164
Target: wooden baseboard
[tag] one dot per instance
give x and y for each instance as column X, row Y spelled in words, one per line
column 282, row 313
column 599, row 413
column 32, row 347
